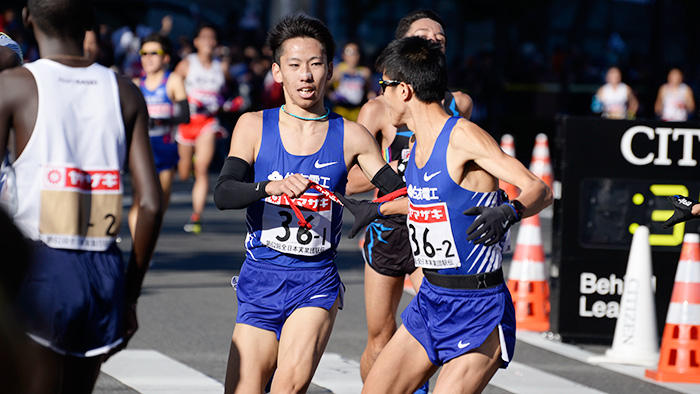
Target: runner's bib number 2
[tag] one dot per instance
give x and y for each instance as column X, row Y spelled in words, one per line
column 281, row 231
column 80, row 209
column 431, row 237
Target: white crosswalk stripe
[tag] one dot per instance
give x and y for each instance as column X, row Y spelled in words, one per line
column 578, row 354
column 151, row 372
column 338, row 374
column 519, row 378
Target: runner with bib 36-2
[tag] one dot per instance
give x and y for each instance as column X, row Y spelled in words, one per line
column 462, row 319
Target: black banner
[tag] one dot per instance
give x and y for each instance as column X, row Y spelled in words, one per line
column 615, row 176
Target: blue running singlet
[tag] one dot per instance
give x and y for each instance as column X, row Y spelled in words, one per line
column 159, row 105
column 437, row 227
column 274, row 235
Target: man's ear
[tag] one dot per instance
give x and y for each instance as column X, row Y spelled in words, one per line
column 406, row 91
column 330, row 71
column 276, row 72
column 26, row 18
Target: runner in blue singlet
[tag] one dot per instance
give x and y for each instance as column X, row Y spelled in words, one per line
column 462, row 319
column 289, row 290
column 167, row 107
column 387, row 255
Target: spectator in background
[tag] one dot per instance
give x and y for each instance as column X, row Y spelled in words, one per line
column 674, row 102
column 205, row 77
column 350, row 83
column 615, row 99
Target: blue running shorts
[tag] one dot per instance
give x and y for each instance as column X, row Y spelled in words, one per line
column 268, row 293
column 72, row 301
column 451, row 322
column 164, row 152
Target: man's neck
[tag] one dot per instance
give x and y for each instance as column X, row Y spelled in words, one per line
column 57, row 46
column 206, row 60
column 426, row 120
column 155, row 77
column 312, row 112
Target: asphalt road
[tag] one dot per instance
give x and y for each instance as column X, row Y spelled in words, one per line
column 187, row 311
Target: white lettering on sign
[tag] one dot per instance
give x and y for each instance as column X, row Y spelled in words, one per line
column 598, row 309
column 661, row 158
column 591, row 285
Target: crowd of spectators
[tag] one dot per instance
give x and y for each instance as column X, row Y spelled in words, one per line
column 490, row 76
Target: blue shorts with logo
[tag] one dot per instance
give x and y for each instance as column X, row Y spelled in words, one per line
column 268, row 293
column 451, row 322
column 72, row 301
column 164, row 152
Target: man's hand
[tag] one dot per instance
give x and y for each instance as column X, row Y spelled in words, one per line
column 682, row 210
column 364, row 211
column 293, row 186
column 488, row 228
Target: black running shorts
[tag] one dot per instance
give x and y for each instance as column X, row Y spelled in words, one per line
column 387, row 249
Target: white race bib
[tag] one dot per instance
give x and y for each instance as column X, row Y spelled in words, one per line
column 281, row 231
column 80, row 209
column 431, row 236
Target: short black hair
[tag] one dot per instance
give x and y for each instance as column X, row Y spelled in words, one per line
column 62, row 18
column 203, row 26
column 419, row 63
column 160, row 39
column 300, row 25
column 406, row 21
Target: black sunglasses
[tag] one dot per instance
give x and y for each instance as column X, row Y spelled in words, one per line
column 385, row 84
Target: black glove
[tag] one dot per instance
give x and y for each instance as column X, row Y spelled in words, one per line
column 681, row 210
column 364, row 211
column 488, row 228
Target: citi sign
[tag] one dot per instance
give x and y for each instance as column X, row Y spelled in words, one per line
column 661, row 135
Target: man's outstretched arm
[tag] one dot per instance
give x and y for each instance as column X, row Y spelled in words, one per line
column 147, row 196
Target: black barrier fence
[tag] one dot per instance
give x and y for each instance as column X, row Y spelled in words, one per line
column 615, row 176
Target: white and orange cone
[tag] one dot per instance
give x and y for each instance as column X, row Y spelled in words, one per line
column 527, row 281
column 680, row 345
column 508, row 147
column 540, row 164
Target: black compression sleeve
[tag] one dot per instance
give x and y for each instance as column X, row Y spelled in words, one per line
column 182, row 112
column 180, row 115
column 387, row 180
column 233, row 188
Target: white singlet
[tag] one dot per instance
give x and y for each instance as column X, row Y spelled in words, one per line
column 614, row 99
column 674, row 103
column 68, row 176
column 203, row 85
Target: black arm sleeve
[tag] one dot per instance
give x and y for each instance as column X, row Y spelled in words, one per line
column 387, row 180
column 233, row 188
column 180, row 115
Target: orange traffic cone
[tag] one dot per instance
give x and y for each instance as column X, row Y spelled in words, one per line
column 508, row 146
column 408, row 285
column 679, row 359
column 527, row 281
column 540, row 164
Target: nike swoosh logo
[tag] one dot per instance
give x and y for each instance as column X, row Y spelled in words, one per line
column 321, row 165
column 462, row 345
column 318, row 296
column 427, row 177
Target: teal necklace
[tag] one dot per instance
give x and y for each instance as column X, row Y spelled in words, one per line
column 324, row 116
